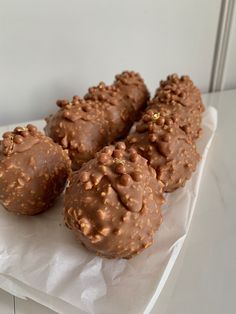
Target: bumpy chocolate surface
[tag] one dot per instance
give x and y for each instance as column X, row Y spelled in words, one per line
column 113, row 203
column 33, row 171
column 79, row 126
column 166, row 147
column 177, row 97
column 84, row 126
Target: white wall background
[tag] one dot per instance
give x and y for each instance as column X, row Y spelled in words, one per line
column 230, row 68
column 52, row 49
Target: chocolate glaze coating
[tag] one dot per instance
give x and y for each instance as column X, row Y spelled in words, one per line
column 177, row 97
column 166, row 147
column 126, row 97
column 79, row 126
column 113, row 203
column 105, row 115
column 33, row 170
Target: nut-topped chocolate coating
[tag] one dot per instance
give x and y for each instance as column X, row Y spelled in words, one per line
column 33, row 170
column 105, row 115
column 126, row 97
column 113, row 203
column 79, row 126
column 179, row 98
column 166, row 147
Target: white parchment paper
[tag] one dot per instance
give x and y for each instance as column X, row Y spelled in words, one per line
column 41, row 259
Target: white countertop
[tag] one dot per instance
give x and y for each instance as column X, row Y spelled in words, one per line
column 203, row 279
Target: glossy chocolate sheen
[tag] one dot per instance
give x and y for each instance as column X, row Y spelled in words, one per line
column 167, row 148
column 33, row 171
column 84, row 126
column 113, row 203
column 179, row 98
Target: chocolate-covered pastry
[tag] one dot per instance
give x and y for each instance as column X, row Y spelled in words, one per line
column 105, row 115
column 33, row 170
column 113, row 203
column 166, row 147
column 81, row 127
column 125, row 97
column 177, row 97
